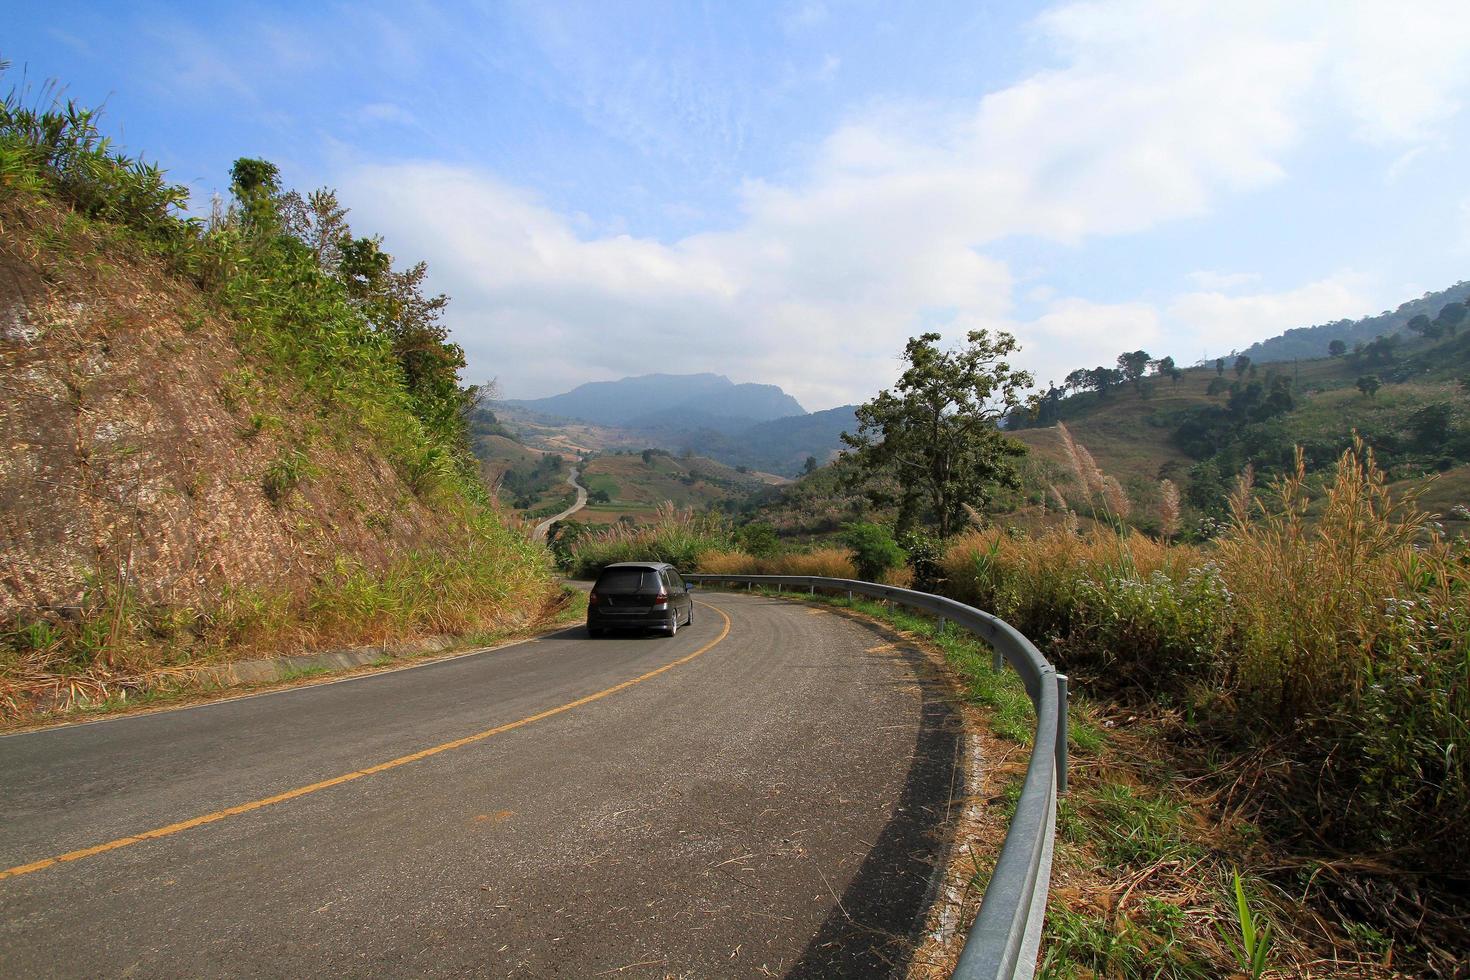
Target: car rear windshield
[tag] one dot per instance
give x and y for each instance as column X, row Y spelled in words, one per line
column 628, row 580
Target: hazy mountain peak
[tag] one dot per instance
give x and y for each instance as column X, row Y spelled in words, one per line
column 653, row 400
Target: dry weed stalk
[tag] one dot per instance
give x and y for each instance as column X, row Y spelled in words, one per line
column 1057, row 498
column 1168, row 508
column 1116, row 498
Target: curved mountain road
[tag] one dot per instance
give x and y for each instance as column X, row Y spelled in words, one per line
column 539, row 534
column 763, row 794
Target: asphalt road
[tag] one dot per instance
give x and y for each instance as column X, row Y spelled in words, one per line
column 769, row 804
column 539, row 534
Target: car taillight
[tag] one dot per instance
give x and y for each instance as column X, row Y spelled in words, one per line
column 661, row 598
column 592, row 598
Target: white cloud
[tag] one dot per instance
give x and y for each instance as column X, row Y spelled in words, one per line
column 1074, row 333
column 804, row 16
column 385, row 112
column 1399, row 68
column 1222, row 281
column 1158, row 111
column 1214, row 322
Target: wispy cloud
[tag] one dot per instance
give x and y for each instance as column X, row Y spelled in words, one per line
column 384, row 112
column 77, row 44
column 1222, row 281
column 1152, row 113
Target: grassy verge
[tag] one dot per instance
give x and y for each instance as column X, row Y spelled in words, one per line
column 175, row 688
column 1146, row 864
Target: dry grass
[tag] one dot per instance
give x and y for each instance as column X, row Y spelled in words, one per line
column 828, row 562
column 730, row 562
column 1168, row 508
column 488, row 579
column 1323, row 663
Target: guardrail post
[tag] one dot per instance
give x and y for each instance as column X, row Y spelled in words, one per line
column 811, row 590
column 1061, row 734
column 849, row 595
column 997, row 662
column 942, row 624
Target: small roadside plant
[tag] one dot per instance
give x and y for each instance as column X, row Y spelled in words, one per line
column 1253, row 944
column 873, row 550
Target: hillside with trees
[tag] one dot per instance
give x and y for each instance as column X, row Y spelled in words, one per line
column 1311, row 342
column 1146, row 421
column 230, row 434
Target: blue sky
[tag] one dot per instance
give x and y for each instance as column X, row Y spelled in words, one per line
column 784, row 192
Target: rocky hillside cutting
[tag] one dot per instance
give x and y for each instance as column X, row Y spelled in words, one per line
column 245, row 434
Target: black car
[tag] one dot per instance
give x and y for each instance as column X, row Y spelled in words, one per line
column 639, row 595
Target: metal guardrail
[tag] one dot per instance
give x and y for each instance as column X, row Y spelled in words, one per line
column 1006, row 935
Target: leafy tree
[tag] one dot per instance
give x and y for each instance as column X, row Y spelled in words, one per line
column 925, row 555
column 810, row 466
column 1242, row 363
column 1369, row 384
column 1133, row 364
column 1245, row 399
column 873, row 550
column 1217, row 385
column 1381, row 350
column 1103, row 379
column 1420, row 324
column 319, row 222
column 1432, row 426
column 1336, row 349
column 1220, row 366
column 758, row 538
column 1166, row 367
column 935, row 433
column 256, row 185
column 599, row 497
column 1452, row 316
column 563, row 535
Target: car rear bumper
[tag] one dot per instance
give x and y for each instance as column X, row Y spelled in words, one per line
column 641, row 621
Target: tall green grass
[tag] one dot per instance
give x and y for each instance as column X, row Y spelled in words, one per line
column 1338, row 648
column 678, row 536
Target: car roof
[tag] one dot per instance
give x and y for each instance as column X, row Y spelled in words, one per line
column 637, row 564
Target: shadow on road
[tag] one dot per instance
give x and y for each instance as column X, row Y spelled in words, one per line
column 875, row 929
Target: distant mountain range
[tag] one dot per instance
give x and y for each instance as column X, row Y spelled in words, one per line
column 680, row 401
column 753, row 425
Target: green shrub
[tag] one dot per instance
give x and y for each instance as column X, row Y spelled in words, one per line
column 284, row 474
column 675, row 536
column 759, row 539
column 873, row 550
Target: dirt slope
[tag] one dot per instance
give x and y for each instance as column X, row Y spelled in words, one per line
column 144, row 453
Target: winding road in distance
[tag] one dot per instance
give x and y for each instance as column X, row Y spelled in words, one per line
column 762, row 795
column 539, row 534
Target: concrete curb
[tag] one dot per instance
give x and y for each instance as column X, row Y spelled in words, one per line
column 217, row 680
column 280, row 668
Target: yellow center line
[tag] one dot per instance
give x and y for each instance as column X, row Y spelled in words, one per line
column 208, row 818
